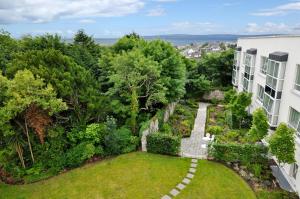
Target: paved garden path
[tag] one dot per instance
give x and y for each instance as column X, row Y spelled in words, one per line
column 195, row 146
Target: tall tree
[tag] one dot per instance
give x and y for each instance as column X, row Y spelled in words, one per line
column 237, row 105
column 22, row 92
column 137, row 78
column 217, row 67
column 173, row 73
column 196, row 83
column 128, row 42
column 75, row 84
column 282, row 144
column 8, row 46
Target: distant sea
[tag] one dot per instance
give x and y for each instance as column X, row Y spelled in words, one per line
column 179, row 40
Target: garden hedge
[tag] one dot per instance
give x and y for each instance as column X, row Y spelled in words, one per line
column 163, row 144
column 244, row 153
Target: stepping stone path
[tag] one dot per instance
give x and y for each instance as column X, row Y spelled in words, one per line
column 193, row 147
column 187, row 180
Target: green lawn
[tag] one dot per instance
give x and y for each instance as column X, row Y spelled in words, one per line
column 136, row 175
column 215, row 181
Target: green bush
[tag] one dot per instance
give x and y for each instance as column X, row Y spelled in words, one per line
column 94, row 133
column 182, row 120
column 256, row 169
column 229, row 95
column 120, row 141
column 215, row 130
column 166, row 129
column 214, row 101
column 52, row 154
column 232, row 135
column 163, row 144
column 244, row 153
column 78, row 154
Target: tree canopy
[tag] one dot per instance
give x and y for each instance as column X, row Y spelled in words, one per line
column 63, row 102
column 282, row 144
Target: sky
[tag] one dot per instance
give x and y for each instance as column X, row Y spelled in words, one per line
column 114, row 18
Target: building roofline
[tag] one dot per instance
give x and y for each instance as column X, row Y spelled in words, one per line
column 269, row 37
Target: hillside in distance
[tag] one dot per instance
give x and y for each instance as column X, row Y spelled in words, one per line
column 183, row 39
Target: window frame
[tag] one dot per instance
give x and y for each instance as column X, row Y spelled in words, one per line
column 264, row 64
column 260, row 90
column 294, row 170
column 297, row 123
column 296, row 83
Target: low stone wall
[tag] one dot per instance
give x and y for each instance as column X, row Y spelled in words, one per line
column 154, row 124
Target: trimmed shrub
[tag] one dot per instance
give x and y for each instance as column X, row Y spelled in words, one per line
column 244, row 153
column 120, row 141
column 163, row 144
column 78, row 154
column 215, row 130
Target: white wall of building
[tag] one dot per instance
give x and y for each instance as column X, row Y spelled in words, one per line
column 290, row 96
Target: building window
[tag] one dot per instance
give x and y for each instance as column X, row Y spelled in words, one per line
column 294, row 170
column 273, row 68
column 263, row 64
column 268, row 103
column 236, row 58
column 260, row 93
column 294, row 120
column 248, row 60
column 297, row 83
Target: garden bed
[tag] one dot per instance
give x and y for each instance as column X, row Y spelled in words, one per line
column 217, row 123
column 235, row 149
column 181, row 123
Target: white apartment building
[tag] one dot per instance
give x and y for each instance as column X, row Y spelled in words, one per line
column 269, row 68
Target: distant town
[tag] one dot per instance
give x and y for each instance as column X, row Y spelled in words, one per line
column 195, row 51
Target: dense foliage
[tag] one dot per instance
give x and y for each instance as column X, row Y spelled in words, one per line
column 181, row 123
column 62, row 104
column 213, row 70
column 244, row 153
column 282, row 144
column 259, row 128
column 237, row 105
column 163, row 143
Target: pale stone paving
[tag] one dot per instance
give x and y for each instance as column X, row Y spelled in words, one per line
column 193, row 147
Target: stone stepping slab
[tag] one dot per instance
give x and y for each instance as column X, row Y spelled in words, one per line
column 180, row 186
column 189, row 175
column 186, row 181
column 193, row 165
column 192, row 170
column 166, row 197
column 174, row 192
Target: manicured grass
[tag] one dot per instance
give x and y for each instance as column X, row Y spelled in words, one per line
column 215, row 181
column 134, row 175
